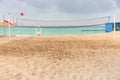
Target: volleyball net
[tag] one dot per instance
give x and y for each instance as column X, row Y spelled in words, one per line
column 63, row 23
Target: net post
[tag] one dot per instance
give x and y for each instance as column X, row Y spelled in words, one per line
column 114, row 27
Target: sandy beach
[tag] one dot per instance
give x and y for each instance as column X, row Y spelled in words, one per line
column 69, row 57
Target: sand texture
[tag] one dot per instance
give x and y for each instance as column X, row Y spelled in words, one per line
column 77, row 57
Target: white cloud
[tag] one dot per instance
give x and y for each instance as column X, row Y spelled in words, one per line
column 60, row 9
column 85, row 7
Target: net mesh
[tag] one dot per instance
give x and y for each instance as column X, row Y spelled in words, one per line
column 67, row 23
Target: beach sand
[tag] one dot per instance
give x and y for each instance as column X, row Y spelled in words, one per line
column 75, row 57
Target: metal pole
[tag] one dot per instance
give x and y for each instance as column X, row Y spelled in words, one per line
column 13, row 27
column 114, row 27
column 4, row 25
column 20, row 27
column 9, row 25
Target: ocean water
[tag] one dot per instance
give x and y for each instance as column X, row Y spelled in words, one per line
column 52, row 31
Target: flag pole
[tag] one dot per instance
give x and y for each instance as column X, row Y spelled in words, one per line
column 21, row 15
column 9, row 25
column 4, row 25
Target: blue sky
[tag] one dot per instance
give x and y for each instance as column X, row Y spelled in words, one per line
column 59, row 9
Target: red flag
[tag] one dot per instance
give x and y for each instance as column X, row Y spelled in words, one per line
column 6, row 21
column 21, row 14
